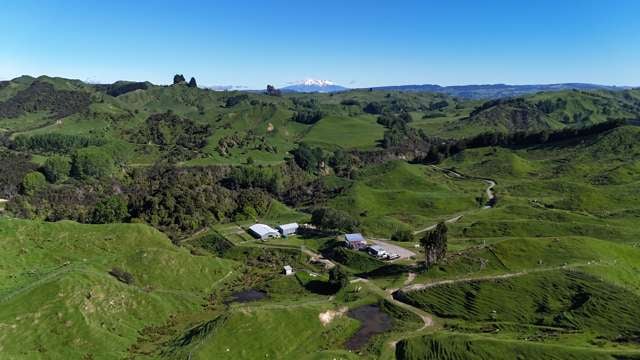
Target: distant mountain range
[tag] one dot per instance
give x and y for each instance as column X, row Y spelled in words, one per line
column 486, row 91
column 314, row 86
column 492, row 91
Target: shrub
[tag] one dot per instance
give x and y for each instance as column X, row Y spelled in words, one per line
column 350, row 102
column 374, row 108
column 234, row 100
column 214, row 243
column 121, row 275
column 57, row 168
column 308, row 116
column 33, row 182
column 402, row 235
column 91, row 162
column 338, row 278
column 110, row 210
column 332, row 219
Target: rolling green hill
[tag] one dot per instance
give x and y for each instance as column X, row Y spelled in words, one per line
column 60, row 300
column 164, row 181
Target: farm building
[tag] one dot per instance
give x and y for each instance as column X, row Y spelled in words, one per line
column 377, row 251
column 288, row 270
column 355, row 241
column 288, row 229
column 263, row 232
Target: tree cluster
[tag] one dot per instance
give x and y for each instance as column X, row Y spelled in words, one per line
column 178, row 79
column 14, row 168
column 334, row 220
column 122, row 87
column 42, row 96
column 272, row 91
column 169, row 129
column 308, row 117
column 55, row 143
column 234, row 100
column 112, row 209
column 91, row 162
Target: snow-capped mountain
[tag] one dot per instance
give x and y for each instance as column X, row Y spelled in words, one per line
column 314, row 85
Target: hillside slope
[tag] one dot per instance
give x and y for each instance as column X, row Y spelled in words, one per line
column 60, row 278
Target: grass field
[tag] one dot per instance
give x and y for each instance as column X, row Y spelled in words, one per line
column 397, row 195
column 55, row 275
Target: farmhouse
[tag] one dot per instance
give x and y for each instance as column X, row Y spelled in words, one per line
column 263, row 232
column 355, row 241
column 288, row 229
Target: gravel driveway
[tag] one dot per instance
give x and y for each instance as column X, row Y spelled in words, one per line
column 394, row 249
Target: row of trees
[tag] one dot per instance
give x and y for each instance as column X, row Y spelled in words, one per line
column 307, row 117
column 55, row 143
column 528, row 138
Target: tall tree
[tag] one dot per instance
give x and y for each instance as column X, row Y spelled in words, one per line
column 338, row 278
column 193, row 83
column 434, row 244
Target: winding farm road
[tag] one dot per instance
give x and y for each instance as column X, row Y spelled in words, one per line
column 454, row 174
column 422, row 286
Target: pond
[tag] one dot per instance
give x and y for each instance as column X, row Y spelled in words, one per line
column 246, row 296
column 373, row 321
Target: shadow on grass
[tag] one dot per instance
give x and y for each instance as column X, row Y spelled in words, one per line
column 321, row 287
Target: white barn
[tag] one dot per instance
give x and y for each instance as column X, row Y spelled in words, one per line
column 288, row 229
column 263, row 232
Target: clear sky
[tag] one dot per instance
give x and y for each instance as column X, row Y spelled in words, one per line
column 354, row 43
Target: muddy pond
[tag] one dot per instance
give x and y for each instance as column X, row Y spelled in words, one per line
column 246, row 296
column 373, row 321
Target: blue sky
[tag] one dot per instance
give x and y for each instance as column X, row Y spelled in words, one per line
column 354, row 43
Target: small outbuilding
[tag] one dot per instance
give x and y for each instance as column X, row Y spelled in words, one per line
column 287, row 270
column 377, row 251
column 355, row 241
column 263, row 232
column 288, row 229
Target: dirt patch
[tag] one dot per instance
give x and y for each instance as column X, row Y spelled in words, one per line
column 327, row 317
column 410, row 277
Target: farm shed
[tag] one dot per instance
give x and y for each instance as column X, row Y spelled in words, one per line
column 288, row 229
column 355, row 241
column 263, row 232
column 288, row 270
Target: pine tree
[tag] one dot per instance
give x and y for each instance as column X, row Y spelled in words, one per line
column 192, row 83
column 434, row 244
